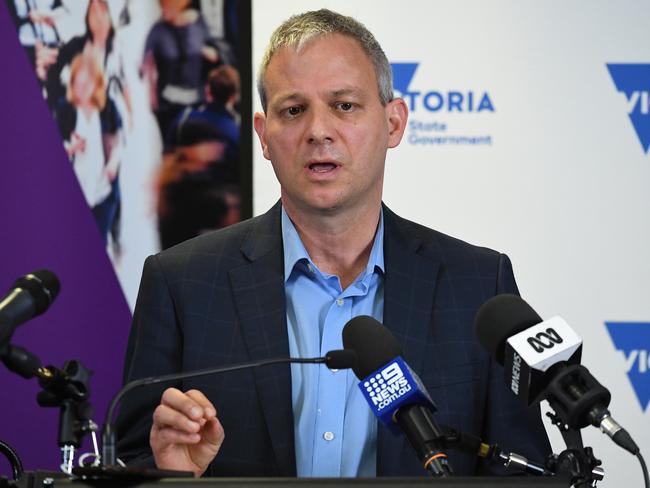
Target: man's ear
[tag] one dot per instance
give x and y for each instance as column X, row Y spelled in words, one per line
column 259, row 122
column 397, row 113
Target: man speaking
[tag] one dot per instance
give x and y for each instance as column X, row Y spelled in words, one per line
column 286, row 282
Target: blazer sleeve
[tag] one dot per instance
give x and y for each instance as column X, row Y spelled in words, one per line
column 154, row 348
column 510, row 423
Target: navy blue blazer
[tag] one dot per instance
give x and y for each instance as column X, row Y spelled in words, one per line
column 219, row 299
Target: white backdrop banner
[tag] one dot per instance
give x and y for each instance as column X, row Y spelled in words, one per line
column 529, row 132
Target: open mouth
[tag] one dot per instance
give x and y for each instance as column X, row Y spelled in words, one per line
column 322, row 167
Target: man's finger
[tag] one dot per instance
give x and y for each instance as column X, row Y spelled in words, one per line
column 178, row 400
column 164, row 416
column 168, row 436
column 212, row 432
column 202, row 400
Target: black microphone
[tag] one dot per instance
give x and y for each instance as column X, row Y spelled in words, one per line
column 337, row 359
column 22, row 362
column 394, row 392
column 29, row 296
column 541, row 361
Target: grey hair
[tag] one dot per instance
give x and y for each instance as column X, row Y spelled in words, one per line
column 300, row 29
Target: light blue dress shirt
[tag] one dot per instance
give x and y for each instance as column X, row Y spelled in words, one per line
column 335, row 430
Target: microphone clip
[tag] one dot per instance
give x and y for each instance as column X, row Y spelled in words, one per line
column 68, row 389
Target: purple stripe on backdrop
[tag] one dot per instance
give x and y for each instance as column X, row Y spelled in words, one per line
column 45, row 223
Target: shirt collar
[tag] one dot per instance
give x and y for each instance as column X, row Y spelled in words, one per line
column 295, row 252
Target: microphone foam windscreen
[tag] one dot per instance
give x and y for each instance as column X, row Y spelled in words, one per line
column 341, row 359
column 374, row 344
column 499, row 318
column 42, row 285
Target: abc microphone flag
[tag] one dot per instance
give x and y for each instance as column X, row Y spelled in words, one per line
column 531, row 352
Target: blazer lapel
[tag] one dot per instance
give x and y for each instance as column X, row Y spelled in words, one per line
column 258, row 290
column 409, row 287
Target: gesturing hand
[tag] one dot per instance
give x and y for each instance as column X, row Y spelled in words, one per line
column 186, row 434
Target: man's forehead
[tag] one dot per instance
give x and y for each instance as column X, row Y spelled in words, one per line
column 340, row 43
column 308, row 41
column 337, row 64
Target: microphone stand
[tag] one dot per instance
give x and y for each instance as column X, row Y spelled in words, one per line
column 67, row 389
column 575, row 461
column 572, row 463
column 472, row 444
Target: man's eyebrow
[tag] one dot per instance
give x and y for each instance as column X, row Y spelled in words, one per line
column 289, row 97
column 299, row 97
column 347, row 91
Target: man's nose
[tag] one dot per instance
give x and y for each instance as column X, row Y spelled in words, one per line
column 320, row 126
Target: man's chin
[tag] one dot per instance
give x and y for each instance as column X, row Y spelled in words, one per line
column 315, row 206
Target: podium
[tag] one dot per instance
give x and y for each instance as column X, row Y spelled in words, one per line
column 49, row 479
column 452, row 482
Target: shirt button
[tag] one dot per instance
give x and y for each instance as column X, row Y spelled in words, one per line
column 339, row 302
column 310, row 267
column 328, row 436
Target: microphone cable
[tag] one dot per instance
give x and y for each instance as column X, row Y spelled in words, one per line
column 14, row 460
column 644, row 468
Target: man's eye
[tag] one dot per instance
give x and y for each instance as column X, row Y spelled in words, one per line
column 293, row 111
column 345, row 106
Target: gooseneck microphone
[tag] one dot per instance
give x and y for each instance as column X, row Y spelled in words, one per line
column 541, row 360
column 394, row 392
column 337, row 359
column 29, row 296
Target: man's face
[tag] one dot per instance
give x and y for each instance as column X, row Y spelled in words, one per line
column 325, row 129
